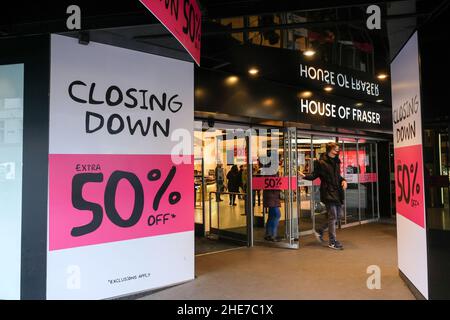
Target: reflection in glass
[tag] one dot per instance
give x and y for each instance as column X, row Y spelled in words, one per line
column 11, row 149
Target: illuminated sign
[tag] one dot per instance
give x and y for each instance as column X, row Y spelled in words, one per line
column 341, row 112
column 339, row 79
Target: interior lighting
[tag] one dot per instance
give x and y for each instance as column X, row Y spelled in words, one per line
column 253, row 71
column 306, row 94
column 309, row 53
column 232, row 80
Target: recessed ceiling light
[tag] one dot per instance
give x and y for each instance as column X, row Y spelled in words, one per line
column 306, row 94
column 309, row 53
column 268, row 102
column 231, row 80
column 328, row 88
column 380, row 101
column 253, row 71
column 199, row 92
column 382, row 76
column 359, row 104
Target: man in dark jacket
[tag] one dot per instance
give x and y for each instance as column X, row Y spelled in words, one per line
column 332, row 186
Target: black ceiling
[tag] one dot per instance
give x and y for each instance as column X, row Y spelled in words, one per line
column 400, row 19
column 25, row 15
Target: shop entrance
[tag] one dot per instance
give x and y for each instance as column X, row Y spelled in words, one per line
column 237, row 169
column 243, row 174
column 358, row 166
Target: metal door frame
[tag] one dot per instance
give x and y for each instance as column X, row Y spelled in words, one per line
column 215, row 233
column 290, row 227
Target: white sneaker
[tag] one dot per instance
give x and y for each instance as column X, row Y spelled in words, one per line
column 336, row 245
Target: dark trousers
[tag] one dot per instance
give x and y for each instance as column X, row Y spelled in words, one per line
column 232, row 199
column 272, row 222
column 334, row 213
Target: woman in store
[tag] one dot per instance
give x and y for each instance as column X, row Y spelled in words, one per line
column 233, row 184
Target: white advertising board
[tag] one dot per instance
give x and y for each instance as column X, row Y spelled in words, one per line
column 409, row 172
column 121, row 210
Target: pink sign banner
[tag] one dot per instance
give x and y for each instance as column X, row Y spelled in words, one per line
column 183, row 18
column 361, row 178
column 353, row 178
column 409, row 183
column 368, row 178
column 96, row 199
column 273, row 183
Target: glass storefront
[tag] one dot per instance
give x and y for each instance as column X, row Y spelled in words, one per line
column 436, row 144
column 223, row 201
column 350, row 168
column 220, row 196
column 11, row 163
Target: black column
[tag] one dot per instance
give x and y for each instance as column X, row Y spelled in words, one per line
column 384, row 180
column 435, row 68
column 35, row 170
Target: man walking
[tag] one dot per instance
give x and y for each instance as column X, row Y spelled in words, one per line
column 332, row 187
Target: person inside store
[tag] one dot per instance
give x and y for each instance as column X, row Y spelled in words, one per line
column 256, row 193
column 307, row 171
column 233, row 184
column 332, row 187
column 241, row 182
column 271, row 200
column 220, row 177
column 244, row 177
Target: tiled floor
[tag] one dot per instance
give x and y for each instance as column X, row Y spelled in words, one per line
column 312, row 272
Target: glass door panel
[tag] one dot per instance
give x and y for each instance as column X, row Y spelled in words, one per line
column 199, row 182
column 290, row 197
column 350, row 169
column 222, row 211
column 319, row 209
column 305, row 187
column 274, row 161
column 368, row 179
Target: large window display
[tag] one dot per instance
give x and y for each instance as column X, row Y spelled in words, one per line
column 11, row 149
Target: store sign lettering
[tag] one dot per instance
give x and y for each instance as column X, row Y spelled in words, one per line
column 329, row 110
column 339, row 79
